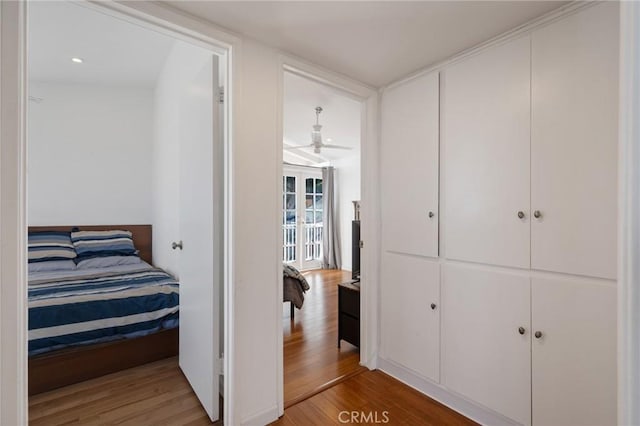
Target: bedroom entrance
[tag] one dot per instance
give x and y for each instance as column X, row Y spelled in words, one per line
column 320, row 236
column 126, row 188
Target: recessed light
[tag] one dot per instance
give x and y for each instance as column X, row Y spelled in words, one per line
column 77, row 60
column 329, row 140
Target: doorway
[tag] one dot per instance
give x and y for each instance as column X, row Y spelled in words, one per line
column 116, row 138
column 321, row 184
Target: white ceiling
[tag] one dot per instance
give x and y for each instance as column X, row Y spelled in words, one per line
column 115, row 52
column 375, row 42
column 340, row 120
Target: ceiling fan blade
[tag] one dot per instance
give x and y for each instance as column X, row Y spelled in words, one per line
column 293, row 148
column 336, row 146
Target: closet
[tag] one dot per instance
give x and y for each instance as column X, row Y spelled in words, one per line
column 524, row 273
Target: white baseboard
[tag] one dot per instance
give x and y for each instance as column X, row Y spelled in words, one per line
column 439, row 393
column 263, row 418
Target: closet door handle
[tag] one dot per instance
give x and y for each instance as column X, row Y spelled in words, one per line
column 521, row 214
column 431, row 214
column 521, row 330
column 177, row 245
column 433, row 306
column 537, row 214
column 538, row 334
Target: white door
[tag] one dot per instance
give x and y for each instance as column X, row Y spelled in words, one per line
column 201, row 234
column 302, row 223
column 410, row 311
column 574, row 359
column 486, row 156
column 486, row 346
column 574, row 143
column 409, row 167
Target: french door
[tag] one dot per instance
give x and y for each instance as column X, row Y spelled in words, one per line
column 302, row 224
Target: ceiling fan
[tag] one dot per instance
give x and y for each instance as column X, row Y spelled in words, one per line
column 316, row 138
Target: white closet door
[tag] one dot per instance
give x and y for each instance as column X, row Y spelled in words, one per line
column 574, row 143
column 200, row 231
column 410, row 310
column 486, row 156
column 409, row 161
column 484, row 355
column 574, row 360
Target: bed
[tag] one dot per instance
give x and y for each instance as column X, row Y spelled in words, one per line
column 293, row 288
column 91, row 322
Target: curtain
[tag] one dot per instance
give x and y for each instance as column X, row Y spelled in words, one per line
column 330, row 239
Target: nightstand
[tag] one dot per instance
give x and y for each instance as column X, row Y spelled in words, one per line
column 349, row 313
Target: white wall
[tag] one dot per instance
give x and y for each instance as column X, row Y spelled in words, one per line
column 347, row 191
column 181, row 65
column 256, row 262
column 89, row 153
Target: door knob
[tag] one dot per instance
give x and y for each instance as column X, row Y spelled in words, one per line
column 175, row 245
column 537, row 214
column 433, row 306
column 521, row 214
column 538, row 334
column 431, row 214
column 521, row 330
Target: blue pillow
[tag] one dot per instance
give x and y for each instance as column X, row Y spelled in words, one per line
column 52, row 265
column 102, row 243
column 46, row 246
column 107, row 261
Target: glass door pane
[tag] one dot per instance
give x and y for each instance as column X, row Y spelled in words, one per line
column 313, row 225
column 289, row 219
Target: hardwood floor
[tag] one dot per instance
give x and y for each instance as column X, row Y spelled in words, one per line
column 153, row 394
column 371, row 397
column 311, row 354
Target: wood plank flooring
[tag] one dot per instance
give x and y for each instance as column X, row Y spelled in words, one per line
column 311, row 354
column 152, row 394
column 371, row 398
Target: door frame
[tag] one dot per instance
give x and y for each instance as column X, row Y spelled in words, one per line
column 370, row 204
column 301, row 173
column 629, row 217
column 13, row 179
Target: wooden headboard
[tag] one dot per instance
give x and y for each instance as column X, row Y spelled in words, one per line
column 141, row 234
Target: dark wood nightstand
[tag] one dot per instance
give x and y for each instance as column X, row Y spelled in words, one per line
column 349, row 313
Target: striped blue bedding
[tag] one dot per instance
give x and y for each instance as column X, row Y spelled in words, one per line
column 80, row 307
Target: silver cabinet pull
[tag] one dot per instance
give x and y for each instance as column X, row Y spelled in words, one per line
column 431, row 214
column 538, row 334
column 177, row 245
column 521, row 330
column 521, row 214
column 537, row 214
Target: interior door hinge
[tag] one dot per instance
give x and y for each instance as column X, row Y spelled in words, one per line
column 221, row 95
column 220, row 366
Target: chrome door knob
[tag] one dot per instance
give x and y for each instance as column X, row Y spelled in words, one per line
column 538, row 334
column 521, row 214
column 521, row 330
column 537, row 214
column 177, row 245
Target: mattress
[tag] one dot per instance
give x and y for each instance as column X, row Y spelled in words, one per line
column 81, row 307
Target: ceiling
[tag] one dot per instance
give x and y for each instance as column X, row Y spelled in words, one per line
column 375, row 42
column 340, row 120
column 115, row 52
